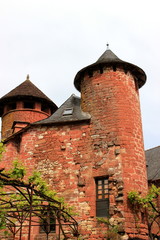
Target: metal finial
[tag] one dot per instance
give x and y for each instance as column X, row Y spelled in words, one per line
column 107, row 46
column 27, row 77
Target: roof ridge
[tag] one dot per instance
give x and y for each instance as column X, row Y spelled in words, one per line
column 152, row 148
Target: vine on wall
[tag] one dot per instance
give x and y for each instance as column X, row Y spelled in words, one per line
column 23, row 197
column 149, row 205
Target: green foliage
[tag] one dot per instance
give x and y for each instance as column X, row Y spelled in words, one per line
column 34, row 178
column 112, row 232
column 20, row 199
column 154, row 191
column 1, row 184
column 146, row 203
column 135, row 198
column 37, row 181
column 113, row 235
column 103, row 220
column 18, row 171
column 2, row 220
column 80, row 238
column 2, row 149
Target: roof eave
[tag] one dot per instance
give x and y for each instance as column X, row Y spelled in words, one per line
column 135, row 70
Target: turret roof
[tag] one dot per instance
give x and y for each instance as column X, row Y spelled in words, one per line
column 26, row 90
column 108, row 58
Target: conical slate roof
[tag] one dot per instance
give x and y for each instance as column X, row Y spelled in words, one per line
column 108, row 58
column 28, row 91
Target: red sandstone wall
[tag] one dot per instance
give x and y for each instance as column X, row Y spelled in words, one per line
column 65, row 157
column 69, row 158
column 20, row 115
column 112, row 99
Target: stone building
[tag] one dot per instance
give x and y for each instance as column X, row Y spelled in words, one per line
column 153, row 165
column 153, row 173
column 90, row 149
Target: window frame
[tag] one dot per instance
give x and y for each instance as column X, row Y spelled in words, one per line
column 102, row 196
column 67, row 112
column 48, row 224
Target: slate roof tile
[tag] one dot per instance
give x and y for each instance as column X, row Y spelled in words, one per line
column 153, row 163
column 108, row 58
column 72, row 105
column 28, row 91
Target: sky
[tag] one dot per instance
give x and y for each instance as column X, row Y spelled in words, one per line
column 52, row 40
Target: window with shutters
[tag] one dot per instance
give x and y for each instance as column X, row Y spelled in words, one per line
column 102, row 197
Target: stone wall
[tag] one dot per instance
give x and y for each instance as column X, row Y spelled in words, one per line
column 23, row 115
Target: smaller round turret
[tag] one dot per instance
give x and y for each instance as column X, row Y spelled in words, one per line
column 23, row 105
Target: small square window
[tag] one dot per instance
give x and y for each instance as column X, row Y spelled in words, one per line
column 68, row 111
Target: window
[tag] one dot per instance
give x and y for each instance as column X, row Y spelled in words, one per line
column 29, row 105
column 48, row 222
column 11, row 106
column 68, row 111
column 102, row 197
column 45, row 108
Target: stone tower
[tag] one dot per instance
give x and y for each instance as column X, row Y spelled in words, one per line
column 23, row 105
column 110, row 94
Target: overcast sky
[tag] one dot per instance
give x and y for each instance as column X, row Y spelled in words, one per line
column 52, row 40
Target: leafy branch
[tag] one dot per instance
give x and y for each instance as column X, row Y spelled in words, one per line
column 21, row 196
column 149, row 204
column 135, row 198
column 112, row 232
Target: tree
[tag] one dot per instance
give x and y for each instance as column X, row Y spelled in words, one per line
column 149, row 205
column 24, row 200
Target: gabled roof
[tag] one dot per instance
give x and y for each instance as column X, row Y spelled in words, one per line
column 26, row 90
column 108, row 58
column 153, row 163
column 69, row 111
